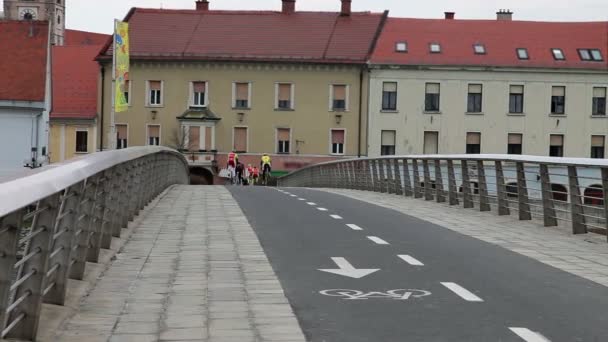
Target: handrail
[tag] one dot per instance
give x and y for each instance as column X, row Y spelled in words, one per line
column 56, row 219
column 554, row 189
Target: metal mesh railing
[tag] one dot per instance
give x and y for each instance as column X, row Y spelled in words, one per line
column 53, row 222
column 569, row 190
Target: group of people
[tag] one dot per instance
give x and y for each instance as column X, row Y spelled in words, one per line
column 241, row 175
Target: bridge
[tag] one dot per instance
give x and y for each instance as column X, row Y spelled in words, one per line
column 117, row 246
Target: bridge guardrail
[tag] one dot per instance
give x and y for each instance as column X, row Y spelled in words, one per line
column 548, row 188
column 56, row 220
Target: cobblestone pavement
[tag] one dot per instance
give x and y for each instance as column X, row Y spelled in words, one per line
column 582, row 255
column 193, row 270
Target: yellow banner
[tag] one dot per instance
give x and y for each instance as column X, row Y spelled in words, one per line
column 121, row 73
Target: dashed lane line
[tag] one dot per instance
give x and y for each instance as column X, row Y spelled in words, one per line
column 354, row 226
column 411, row 260
column 462, row 292
column 529, row 335
column 377, row 240
column 322, row 209
column 337, row 217
column 311, row 203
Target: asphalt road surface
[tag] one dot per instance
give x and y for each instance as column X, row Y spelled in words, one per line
column 356, row 272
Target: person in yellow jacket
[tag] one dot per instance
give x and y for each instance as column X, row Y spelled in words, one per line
column 266, row 166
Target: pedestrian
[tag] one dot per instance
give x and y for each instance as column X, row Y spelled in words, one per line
column 240, row 168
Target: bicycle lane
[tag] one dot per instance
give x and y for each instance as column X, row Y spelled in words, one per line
column 393, row 303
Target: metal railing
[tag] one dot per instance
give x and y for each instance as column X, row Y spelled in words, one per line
column 552, row 189
column 55, row 221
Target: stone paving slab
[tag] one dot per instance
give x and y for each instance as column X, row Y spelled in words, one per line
column 583, row 255
column 193, row 270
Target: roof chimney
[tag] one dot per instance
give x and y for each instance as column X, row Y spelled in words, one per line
column 504, row 14
column 449, row 15
column 202, row 5
column 289, row 6
column 345, row 8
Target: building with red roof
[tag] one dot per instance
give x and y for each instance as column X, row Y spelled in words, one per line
column 489, row 86
column 289, row 83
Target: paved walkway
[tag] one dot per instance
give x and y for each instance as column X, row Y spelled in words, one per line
column 193, row 271
column 582, row 255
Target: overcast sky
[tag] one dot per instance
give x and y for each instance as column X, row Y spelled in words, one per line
column 97, row 15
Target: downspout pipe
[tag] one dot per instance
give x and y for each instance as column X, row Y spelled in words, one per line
column 360, row 111
column 103, row 77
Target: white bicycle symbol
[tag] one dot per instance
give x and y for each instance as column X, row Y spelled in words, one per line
column 397, row 294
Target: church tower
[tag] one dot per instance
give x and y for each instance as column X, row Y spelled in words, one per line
column 45, row 10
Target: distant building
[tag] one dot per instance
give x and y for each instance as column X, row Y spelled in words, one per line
column 489, row 86
column 52, row 11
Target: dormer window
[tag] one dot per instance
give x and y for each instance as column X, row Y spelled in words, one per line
column 558, row 54
column 479, row 49
column 401, row 47
column 522, row 53
column 590, row 55
column 435, row 48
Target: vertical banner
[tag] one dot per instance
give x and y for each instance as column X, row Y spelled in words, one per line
column 121, row 65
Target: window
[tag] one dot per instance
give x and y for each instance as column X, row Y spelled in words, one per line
column 431, row 143
column 516, row 99
column 339, row 97
column 242, row 95
column 479, row 49
column 473, row 143
column 122, row 134
column 154, row 135
column 599, row 101
column 431, row 100
column 240, row 139
column 127, row 91
column 194, row 138
column 284, row 96
column 389, row 96
column 597, row 146
column 199, row 94
column 401, row 47
column 522, row 53
column 58, row 20
column 474, row 99
column 337, row 141
column 556, row 145
column 558, row 54
column 82, row 141
column 514, row 143
column 594, row 55
column 387, row 143
column 283, row 139
column 155, row 94
column 435, row 48
column 558, row 100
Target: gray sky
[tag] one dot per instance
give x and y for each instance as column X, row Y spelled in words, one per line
column 97, row 15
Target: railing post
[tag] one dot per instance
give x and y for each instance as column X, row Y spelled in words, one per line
column 116, row 192
column 407, row 179
column 84, row 222
column 369, row 180
column 382, row 181
column 398, row 184
column 354, row 166
column 96, row 220
column 9, row 245
column 376, row 183
column 579, row 226
column 501, row 190
column 417, row 189
column 428, row 190
column 34, row 272
column 105, row 211
column 452, row 188
column 484, row 200
column 604, row 196
column 549, row 214
column 440, row 194
column 522, row 193
column 389, row 175
column 66, row 223
column 466, row 185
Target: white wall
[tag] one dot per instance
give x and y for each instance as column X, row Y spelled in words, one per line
column 495, row 123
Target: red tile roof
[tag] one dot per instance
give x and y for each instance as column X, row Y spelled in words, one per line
column 23, row 51
column 75, row 74
column 75, row 37
column 501, row 39
column 252, row 35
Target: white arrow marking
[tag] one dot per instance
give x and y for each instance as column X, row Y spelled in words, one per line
column 529, row 335
column 347, row 270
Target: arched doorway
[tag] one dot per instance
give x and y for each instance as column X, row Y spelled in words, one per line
column 200, row 176
column 594, row 195
column 560, row 192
